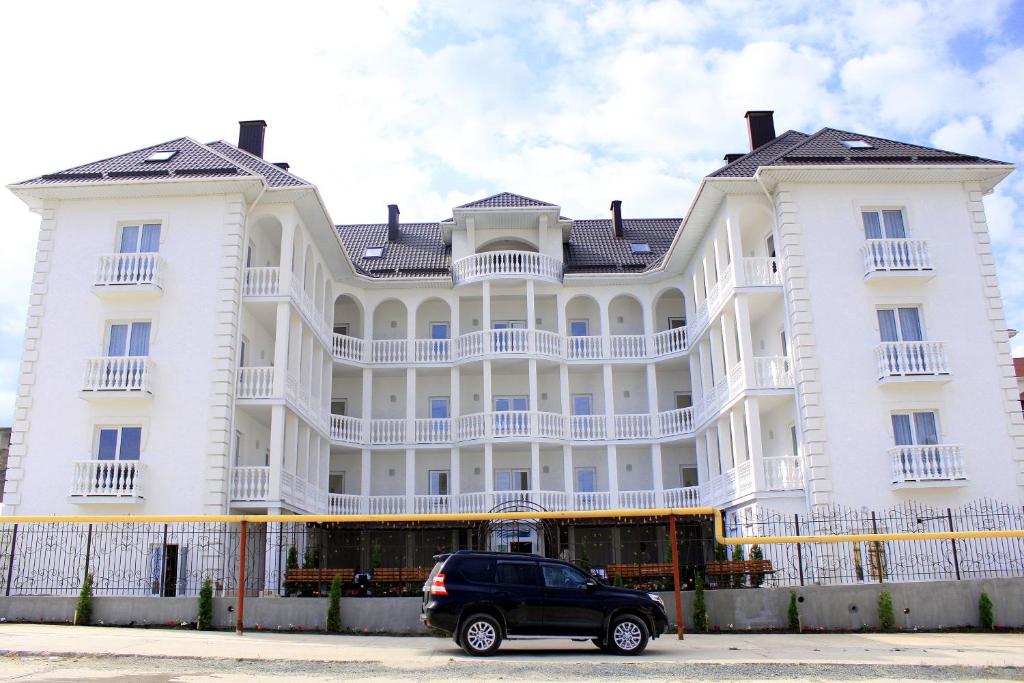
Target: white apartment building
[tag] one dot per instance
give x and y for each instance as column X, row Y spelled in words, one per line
column 822, row 326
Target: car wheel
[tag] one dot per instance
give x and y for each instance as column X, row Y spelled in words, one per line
column 628, row 635
column 601, row 645
column 480, row 635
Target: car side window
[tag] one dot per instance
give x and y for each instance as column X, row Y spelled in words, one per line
column 477, row 570
column 517, row 574
column 561, row 576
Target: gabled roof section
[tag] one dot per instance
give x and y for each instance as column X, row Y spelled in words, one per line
column 418, row 251
column 274, row 175
column 594, row 248
column 506, row 200
column 190, row 160
column 826, row 147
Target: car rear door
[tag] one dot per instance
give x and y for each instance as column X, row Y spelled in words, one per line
column 519, row 594
column 570, row 607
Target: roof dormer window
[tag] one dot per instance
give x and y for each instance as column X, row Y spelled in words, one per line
column 373, row 252
column 162, row 155
column 856, row 144
column 640, row 247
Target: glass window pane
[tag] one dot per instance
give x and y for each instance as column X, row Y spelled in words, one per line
column 887, row 325
column 131, row 443
column 578, row 328
column 117, row 343
column 129, row 239
column 581, row 405
column 517, row 574
column 151, row 238
column 502, row 480
column 872, row 226
column 901, row 432
column 139, row 345
column 561, row 576
column 894, row 224
column 926, row 428
column 107, row 447
column 520, row 403
column 439, row 408
column 439, row 331
column 501, row 405
column 585, row 480
column 910, row 324
column 522, row 480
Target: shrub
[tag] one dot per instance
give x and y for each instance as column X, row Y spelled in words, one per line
column 334, row 606
column 83, row 610
column 584, row 558
column 293, row 558
column 793, row 613
column 737, row 555
column 204, row 618
column 311, row 558
column 700, row 610
column 756, row 578
column 886, row 614
column 986, row 614
column 617, row 580
column 720, row 553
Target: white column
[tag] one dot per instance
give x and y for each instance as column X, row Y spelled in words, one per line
column 652, row 397
column 729, row 340
column 535, row 466
column 531, row 316
column 367, row 403
column 658, row 475
column 606, row 344
column 732, row 234
column 725, row 443
column 485, row 289
column 455, row 478
column 704, row 472
column 567, row 474
column 287, row 249
column 272, row 555
column 276, row 447
column 609, row 400
column 488, row 399
column 410, row 405
column 410, row 478
column 746, row 349
column 754, row 446
column 532, row 383
column 489, row 470
column 282, row 332
column 613, row 476
column 739, row 442
column 365, row 486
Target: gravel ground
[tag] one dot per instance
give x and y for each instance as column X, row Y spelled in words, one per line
column 57, row 669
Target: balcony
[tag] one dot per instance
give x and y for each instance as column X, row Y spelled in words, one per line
column 896, row 257
column 497, row 265
column 783, row 473
column 250, row 483
column 760, row 271
column 256, row 383
column 118, row 377
column 936, row 465
column 772, row 372
column 263, row 282
column 129, row 275
column 121, row 479
column 910, row 361
column 511, row 425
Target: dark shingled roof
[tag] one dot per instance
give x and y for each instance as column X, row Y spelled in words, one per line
column 505, row 200
column 275, row 176
column 418, row 252
column 825, row 147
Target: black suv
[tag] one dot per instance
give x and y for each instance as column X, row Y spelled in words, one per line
column 481, row 598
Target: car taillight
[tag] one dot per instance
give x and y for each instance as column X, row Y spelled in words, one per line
column 437, row 586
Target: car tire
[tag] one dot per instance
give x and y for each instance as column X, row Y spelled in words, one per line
column 628, row 635
column 480, row 635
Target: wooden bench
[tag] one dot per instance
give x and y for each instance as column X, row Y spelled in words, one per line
column 401, row 574
column 638, row 571
column 721, row 570
column 319, row 575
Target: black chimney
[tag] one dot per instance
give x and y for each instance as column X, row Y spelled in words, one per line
column 616, row 208
column 761, row 127
column 250, row 136
column 733, row 156
column 393, row 222
column 283, row 165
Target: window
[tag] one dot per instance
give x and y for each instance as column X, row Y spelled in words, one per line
column 582, row 404
column 162, row 155
column 586, row 479
column 373, row 252
column 242, row 347
column 900, row 325
column 579, row 328
column 118, row 443
column 510, row 324
column 512, row 480
column 687, row 476
column 439, row 407
column 336, row 483
column 794, row 442
column 915, row 429
column 684, row 399
column 856, row 144
column 128, row 339
column 341, row 329
column 640, row 247
column 507, row 403
column 516, row 574
column 136, row 239
column 238, row 447
column 439, row 330
column 676, row 323
column 769, row 245
column 339, row 406
column 506, row 341
column 437, row 480
column 563, row 576
column 477, row 569
column 884, row 224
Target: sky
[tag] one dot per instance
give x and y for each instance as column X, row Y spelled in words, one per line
column 429, row 105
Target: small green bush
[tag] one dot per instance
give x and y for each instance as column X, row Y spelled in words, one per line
column 617, row 580
column 334, row 606
column 83, row 609
column 737, row 555
column 986, row 613
column 204, row 618
column 793, row 613
column 720, row 553
column 700, row 609
column 886, row 613
column 293, row 558
column 756, row 578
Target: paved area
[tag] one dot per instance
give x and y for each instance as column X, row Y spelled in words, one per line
column 33, row 652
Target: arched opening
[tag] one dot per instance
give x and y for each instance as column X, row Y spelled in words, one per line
column 582, row 317
column 434, row 320
column 307, row 265
column 318, row 289
column 297, row 252
column 506, row 244
column 390, row 320
column 625, row 315
column 348, row 316
column 669, row 309
column 755, row 232
column 264, row 247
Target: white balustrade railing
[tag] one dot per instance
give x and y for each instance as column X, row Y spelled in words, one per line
column 347, row 348
column 346, row 428
column 901, row 359
column 432, row 351
column 761, row 271
column 675, row 422
column 118, row 373
column 505, row 264
column 472, row 344
column 250, row 483
column 343, row 503
column 389, row 351
column 475, row 502
column 729, row 485
column 588, row 427
column 256, row 382
column 431, row 504
column 735, row 380
column 551, row 500
column 387, row 431
column 887, row 255
column 511, row 423
column 685, row 497
column 594, row 500
column 548, row 343
column 633, row 500
column 386, row 505
column 636, row 426
column 584, row 348
column 669, row 341
column 433, row 430
column 121, row 478
column 130, row 269
column 628, row 346
column 509, row 341
column 773, row 372
column 783, row 473
column 939, row 462
column 262, row 281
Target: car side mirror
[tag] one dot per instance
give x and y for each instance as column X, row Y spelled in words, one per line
column 591, row 585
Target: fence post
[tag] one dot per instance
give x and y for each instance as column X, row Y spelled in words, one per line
column 88, row 550
column 241, row 576
column 674, row 540
column 10, row 560
column 163, row 565
column 877, row 548
column 799, row 549
column 956, row 559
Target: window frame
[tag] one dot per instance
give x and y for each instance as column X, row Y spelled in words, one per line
column 332, row 475
column 910, row 412
column 140, row 225
column 576, row 478
column 446, row 475
column 584, row 321
column 640, row 247
column 97, row 440
column 899, row 325
column 368, row 255
column 682, row 476
column 880, row 210
column 130, row 322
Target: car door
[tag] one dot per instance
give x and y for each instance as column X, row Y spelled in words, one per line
column 571, row 608
column 519, row 594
